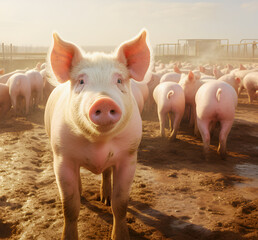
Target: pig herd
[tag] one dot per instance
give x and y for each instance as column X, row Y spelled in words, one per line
column 93, row 115
column 23, row 90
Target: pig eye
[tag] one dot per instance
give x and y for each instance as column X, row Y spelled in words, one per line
column 119, row 80
column 81, row 81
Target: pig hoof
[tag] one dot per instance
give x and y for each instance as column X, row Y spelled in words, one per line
column 106, row 201
column 223, row 156
column 172, row 138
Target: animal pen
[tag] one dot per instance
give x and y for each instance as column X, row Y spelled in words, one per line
column 208, row 50
column 15, row 57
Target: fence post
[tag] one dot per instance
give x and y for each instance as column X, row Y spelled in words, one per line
column 11, row 56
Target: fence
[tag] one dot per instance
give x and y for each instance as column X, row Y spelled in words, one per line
column 246, row 50
column 13, row 57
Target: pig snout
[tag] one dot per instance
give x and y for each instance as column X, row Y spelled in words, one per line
column 104, row 111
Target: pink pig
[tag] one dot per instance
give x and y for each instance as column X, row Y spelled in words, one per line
column 250, row 83
column 170, row 99
column 4, row 78
column 37, row 83
column 19, row 87
column 93, row 121
column 171, row 77
column 216, row 101
column 5, row 100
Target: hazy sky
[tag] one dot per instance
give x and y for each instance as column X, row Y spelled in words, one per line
column 110, row 22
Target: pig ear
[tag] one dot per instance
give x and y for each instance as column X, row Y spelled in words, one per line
column 242, row 67
column 135, row 54
column 176, row 69
column 238, row 80
column 63, row 56
column 191, row 76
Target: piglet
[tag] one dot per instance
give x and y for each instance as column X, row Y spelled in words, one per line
column 216, row 101
column 93, row 121
column 250, row 83
column 19, row 90
column 37, row 83
column 170, row 99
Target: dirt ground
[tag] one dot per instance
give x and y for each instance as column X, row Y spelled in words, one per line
column 175, row 195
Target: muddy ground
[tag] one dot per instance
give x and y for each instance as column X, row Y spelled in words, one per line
column 175, row 195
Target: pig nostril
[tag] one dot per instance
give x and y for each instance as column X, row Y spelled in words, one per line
column 112, row 112
column 98, row 112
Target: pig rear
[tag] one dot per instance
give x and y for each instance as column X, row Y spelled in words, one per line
column 170, row 100
column 20, row 91
column 215, row 102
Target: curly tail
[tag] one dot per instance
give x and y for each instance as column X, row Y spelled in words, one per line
column 218, row 94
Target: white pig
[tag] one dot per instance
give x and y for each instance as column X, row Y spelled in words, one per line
column 250, row 83
column 4, row 78
column 19, row 86
column 171, row 77
column 170, row 99
column 216, row 101
column 190, row 85
column 37, row 83
column 93, row 121
column 232, row 80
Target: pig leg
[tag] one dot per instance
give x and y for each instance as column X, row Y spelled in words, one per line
column 193, row 115
column 27, row 103
column 196, row 130
column 251, row 95
column 105, row 188
column 14, row 103
column 176, row 125
column 123, row 177
column 171, row 121
column 162, row 121
column 67, row 177
column 204, row 131
column 223, row 135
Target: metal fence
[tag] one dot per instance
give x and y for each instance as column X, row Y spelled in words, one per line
column 13, row 57
column 247, row 49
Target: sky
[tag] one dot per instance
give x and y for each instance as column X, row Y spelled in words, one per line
column 111, row 22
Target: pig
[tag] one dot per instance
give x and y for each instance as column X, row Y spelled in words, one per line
column 4, row 78
column 227, row 69
column 232, row 80
column 216, row 101
column 37, row 83
column 241, row 73
column 171, row 77
column 93, row 121
column 250, row 83
column 170, row 99
column 152, row 82
column 5, row 100
column 190, row 85
column 217, row 72
column 2, row 71
column 19, row 87
column 47, row 86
